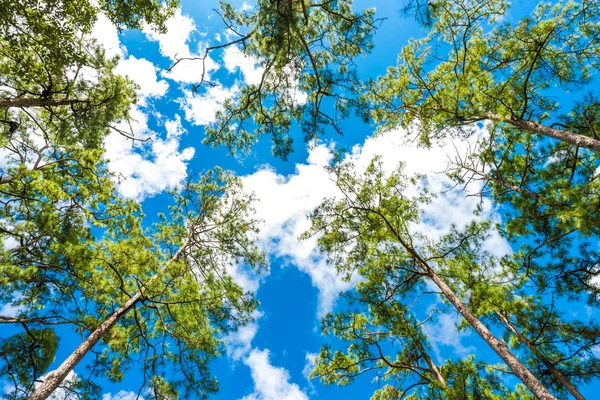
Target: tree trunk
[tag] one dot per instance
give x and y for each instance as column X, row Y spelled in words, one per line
column 500, row 348
column 434, row 369
column 56, row 377
column 573, row 138
column 557, row 374
column 39, row 102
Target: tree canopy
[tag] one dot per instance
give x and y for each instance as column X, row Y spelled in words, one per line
column 160, row 298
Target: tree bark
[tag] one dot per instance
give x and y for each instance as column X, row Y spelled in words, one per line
column 39, row 102
column 557, row 374
column 500, row 348
column 432, row 366
column 56, row 377
column 573, row 138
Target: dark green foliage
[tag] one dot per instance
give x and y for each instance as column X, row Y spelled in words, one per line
column 26, row 357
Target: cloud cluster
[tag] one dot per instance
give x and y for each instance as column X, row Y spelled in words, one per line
column 175, row 44
column 285, row 201
column 270, row 383
column 202, row 109
column 143, row 72
column 150, row 167
column 146, row 168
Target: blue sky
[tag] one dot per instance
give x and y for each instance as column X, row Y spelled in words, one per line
column 270, row 358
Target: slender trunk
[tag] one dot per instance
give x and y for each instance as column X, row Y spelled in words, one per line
column 56, row 377
column 500, row 348
column 557, row 374
column 573, row 138
column 437, row 374
column 39, row 102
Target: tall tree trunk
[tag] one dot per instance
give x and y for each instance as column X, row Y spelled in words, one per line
column 500, row 348
column 56, row 377
column 39, row 102
column 557, row 374
column 437, row 374
column 573, row 138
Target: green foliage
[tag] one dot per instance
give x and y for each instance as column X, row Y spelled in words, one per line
column 134, row 14
column 306, row 51
column 26, row 357
column 372, row 232
column 56, row 81
column 498, row 71
column 89, row 258
column 73, row 250
column 468, row 379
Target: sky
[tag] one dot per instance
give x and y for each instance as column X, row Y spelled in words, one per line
column 271, row 358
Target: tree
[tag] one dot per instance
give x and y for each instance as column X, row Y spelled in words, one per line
column 59, row 98
column 162, row 297
column 74, row 252
column 561, row 347
column 369, row 231
column 26, row 356
column 503, row 74
column 306, row 51
column 55, row 78
column 493, row 71
column 509, row 75
column 380, row 324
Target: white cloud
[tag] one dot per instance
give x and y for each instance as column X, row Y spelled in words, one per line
column 202, row 109
column 11, row 309
column 143, row 72
column 121, row 395
column 285, row 201
column 234, row 59
column 309, row 365
column 190, row 71
column 174, row 45
column 148, row 167
column 443, row 332
column 238, row 343
column 107, row 35
column 270, row 383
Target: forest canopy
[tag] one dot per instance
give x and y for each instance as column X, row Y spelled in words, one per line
column 316, row 199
